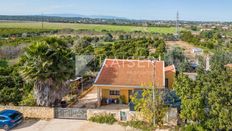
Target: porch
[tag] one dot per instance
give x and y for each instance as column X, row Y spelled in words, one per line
column 123, row 107
column 105, row 98
column 114, row 95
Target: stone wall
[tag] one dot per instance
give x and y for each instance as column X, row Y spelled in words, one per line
column 170, row 118
column 32, row 112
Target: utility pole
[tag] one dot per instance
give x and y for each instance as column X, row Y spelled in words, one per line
column 177, row 25
column 153, row 80
column 153, row 62
column 42, row 21
column 207, row 65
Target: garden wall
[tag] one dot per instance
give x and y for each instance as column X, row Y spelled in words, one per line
column 170, row 118
column 32, row 112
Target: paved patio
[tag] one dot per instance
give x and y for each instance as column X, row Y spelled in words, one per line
column 115, row 107
column 89, row 100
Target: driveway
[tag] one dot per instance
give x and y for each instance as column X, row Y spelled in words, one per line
column 67, row 125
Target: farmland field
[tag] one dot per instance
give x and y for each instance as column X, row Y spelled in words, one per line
column 75, row 26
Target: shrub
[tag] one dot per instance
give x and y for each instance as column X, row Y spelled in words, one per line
column 3, row 63
column 193, row 128
column 10, row 95
column 28, row 100
column 103, row 118
column 122, row 99
column 10, row 85
column 140, row 125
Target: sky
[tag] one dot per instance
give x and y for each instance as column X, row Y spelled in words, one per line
column 194, row 10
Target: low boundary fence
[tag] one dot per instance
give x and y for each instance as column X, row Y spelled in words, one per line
column 170, row 118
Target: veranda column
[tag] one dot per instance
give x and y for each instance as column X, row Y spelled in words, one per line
column 98, row 97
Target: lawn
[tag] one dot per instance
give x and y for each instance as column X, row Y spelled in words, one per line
column 75, row 26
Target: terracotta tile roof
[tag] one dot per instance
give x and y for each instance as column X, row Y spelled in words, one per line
column 131, row 73
column 229, row 65
column 170, row 68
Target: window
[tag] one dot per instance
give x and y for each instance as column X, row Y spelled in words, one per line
column 114, row 92
column 139, row 93
column 14, row 116
column 2, row 118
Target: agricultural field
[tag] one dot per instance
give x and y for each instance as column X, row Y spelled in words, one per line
column 75, row 26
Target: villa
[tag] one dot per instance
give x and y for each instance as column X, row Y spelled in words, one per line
column 119, row 79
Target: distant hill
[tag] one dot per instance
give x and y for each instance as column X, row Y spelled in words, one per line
column 107, row 17
column 71, row 18
column 86, row 16
column 74, row 18
column 66, row 15
column 96, row 19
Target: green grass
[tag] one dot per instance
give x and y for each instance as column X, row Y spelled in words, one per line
column 75, row 26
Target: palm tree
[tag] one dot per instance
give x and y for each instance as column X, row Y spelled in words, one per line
column 48, row 65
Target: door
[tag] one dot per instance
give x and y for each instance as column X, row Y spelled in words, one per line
column 166, row 83
column 129, row 95
column 123, row 116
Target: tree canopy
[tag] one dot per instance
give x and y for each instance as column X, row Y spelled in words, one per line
column 48, row 65
column 151, row 107
column 208, row 100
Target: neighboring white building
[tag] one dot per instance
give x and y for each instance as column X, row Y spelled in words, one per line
column 197, row 51
column 206, row 29
column 192, row 76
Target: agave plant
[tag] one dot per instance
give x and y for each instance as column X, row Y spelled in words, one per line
column 48, row 65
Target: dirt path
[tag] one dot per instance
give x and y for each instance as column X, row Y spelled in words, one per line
column 184, row 45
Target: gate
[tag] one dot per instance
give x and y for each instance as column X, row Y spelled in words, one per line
column 71, row 113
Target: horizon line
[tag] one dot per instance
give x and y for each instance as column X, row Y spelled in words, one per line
column 116, row 17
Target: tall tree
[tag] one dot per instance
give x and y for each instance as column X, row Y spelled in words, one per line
column 48, row 65
column 177, row 57
column 152, row 110
column 208, row 100
column 191, row 102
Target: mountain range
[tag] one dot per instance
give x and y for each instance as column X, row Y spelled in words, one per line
column 86, row 16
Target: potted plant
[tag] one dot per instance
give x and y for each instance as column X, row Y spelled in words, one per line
column 122, row 100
